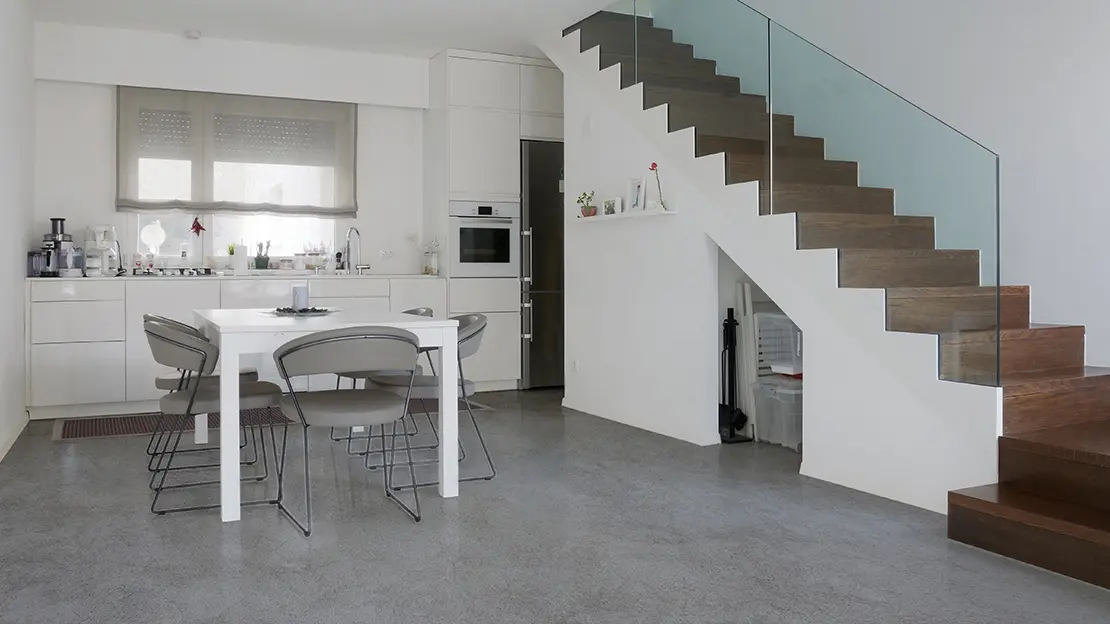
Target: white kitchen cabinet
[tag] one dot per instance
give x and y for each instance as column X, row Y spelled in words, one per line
column 541, row 90
column 76, row 290
column 484, row 154
column 485, row 295
column 172, row 299
column 406, row 294
column 352, row 305
column 76, row 321
column 349, row 287
column 498, row 358
column 487, row 84
column 257, row 293
column 77, row 374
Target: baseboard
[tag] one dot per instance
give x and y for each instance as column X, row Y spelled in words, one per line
column 11, row 434
column 496, row 386
column 90, row 411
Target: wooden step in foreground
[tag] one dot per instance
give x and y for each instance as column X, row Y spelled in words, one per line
column 1069, row 463
column 818, row 230
column 937, row 310
column 791, row 146
column 1055, row 398
column 978, row 356
column 1073, row 540
column 900, row 268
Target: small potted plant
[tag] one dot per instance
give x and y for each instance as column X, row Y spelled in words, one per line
column 262, row 258
column 586, row 201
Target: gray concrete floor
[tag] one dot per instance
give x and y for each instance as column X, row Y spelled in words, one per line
column 588, row 521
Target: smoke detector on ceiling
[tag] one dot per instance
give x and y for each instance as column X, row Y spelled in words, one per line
column 192, row 33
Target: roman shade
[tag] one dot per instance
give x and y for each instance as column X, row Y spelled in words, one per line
column 233, row 154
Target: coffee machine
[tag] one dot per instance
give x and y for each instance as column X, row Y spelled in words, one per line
column 60, row 258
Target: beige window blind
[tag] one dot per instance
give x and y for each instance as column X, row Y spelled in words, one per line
column 213, row 153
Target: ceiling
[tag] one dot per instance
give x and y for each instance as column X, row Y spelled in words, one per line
column 409, row 27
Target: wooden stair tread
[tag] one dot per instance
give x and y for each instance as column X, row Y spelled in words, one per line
column 1026, row 380
column 1011, row 503
column 1088, row 443
column 795, row 146
column 828, row 230
column 886, row 268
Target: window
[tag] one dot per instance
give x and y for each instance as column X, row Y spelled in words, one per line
column 207, row 153
column 287, row 235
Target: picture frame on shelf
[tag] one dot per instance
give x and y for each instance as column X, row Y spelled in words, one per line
column 636, row 194
column 612, row 206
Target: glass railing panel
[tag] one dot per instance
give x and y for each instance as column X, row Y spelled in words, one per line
column 935, row 172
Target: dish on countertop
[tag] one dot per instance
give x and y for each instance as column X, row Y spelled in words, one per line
column 303, row 312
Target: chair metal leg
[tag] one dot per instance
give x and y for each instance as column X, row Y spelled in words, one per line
column 485, row 449
column 423, row 447
column 305, row 528
column 387, row 473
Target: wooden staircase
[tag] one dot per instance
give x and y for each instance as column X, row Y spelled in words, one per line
column 1052, row 505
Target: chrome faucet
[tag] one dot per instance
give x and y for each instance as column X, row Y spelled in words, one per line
column 348, row 260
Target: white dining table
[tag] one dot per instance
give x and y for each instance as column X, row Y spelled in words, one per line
column 260, row 331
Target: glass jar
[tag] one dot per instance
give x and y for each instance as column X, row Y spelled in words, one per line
column 431, row 263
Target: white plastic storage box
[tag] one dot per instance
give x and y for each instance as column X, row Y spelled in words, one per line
column 780, row 343
column 778, row 411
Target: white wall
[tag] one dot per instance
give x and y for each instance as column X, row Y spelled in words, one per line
column 75, row 172
column 16, row 134
column 1026, row 78
column 115, row 56
column 641, row 295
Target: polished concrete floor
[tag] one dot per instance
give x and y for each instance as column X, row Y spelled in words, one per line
column 588, row 521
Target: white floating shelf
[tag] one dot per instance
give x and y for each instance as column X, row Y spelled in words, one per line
column 640, row 214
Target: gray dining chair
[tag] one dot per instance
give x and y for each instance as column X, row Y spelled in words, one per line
column 472, row 328
column 330, row 352
column 357, row 376
column 180, row 380
column 188, row 352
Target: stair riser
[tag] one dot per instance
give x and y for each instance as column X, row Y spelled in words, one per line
column 655, row 43
column 1043, row 548
column 969, row 356
column 704, row 101
column 1053, row 477
column 786, row 147
column 924, row 312
column 692, row 68
column 893, row 233
column 794, row 172
column 617, row 21
column 1036, row 406
column 866, row 269
column 719, row 84
column 750, row 126
column 834, row 199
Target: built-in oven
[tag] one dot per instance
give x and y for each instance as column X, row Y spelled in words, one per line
column 485, row 239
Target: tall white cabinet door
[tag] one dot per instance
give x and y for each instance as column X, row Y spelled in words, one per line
column 406, row 294
column 487, row 84
column 541, row 90
column 173, row 299
column 78, row 373
column 484, row 153
column 498, row 358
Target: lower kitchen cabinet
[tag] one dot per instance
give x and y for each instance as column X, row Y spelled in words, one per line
column 498, row 358
column 77, row 373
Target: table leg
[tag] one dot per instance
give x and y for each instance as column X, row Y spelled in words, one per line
column 229, row 431
column 200, row 428
column 449, row 414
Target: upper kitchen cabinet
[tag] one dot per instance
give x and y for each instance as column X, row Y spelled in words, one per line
column 485, row 84
column 484, row 154
column 541, row 90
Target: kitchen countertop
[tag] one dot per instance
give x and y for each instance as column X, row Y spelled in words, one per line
column 272, row 275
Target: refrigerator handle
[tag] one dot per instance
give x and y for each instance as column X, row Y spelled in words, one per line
column 527, row 308
column 527, row 273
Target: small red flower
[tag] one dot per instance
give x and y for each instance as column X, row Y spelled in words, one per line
column 653, row 167
column 196, row 228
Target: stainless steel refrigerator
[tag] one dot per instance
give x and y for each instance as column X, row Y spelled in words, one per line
column 542, row 263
